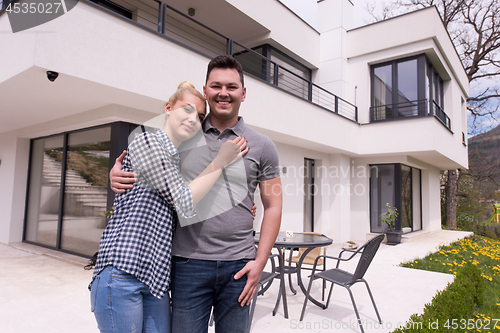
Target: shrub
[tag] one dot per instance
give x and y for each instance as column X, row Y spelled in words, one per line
column 459, row 300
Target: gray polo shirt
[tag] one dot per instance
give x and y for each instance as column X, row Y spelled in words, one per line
column 223, row 228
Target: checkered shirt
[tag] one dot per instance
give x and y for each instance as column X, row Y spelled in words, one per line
column 138, row 237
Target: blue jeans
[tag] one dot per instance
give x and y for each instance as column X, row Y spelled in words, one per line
column 121, row 303
column 197, row 285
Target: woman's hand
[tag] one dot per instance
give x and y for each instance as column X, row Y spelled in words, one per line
column 230, row 152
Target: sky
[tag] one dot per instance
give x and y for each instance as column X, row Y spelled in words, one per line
column 306, row 9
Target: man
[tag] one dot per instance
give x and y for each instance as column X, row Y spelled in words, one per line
column 214, row 261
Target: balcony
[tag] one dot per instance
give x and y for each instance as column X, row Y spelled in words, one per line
column 406, row 110
column 179, row 27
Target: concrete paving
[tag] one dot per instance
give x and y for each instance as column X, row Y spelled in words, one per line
column 46, row 291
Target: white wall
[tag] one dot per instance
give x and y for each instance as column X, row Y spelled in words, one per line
column 278, row 19
column 21, row 44
column 13, row 175
column 360, row 199
column 334, row 19
column 431, row 200
column 341, row 198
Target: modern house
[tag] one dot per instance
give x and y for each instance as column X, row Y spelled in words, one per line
column 361, row 116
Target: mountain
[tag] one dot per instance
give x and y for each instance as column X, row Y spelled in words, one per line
column 484, row 160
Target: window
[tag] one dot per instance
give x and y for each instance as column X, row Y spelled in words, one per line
column 308, row 195
column 399, row 186
column 407, row 88
column 292, row 76
column 403, row 88
column 68, row 189
column 382, row 92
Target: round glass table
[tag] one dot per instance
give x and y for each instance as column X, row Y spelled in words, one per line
column 298, row 240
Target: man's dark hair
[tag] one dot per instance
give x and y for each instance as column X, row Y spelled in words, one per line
column 224, row 62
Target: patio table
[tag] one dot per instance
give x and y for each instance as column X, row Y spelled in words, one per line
column 298, row 239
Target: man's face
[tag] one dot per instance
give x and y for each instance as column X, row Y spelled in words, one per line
column 224, row 93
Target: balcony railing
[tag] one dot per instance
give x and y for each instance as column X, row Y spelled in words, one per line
column 409, row 109
column 441, row 115
column 182, row 28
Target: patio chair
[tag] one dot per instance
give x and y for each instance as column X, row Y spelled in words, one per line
column 308, row 260
column 345, row 279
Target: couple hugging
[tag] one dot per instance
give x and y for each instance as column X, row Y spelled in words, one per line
column 183, row 216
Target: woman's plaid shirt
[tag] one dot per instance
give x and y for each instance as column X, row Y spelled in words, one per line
column 138, row 237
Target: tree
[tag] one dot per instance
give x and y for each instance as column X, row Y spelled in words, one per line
column 474, row 28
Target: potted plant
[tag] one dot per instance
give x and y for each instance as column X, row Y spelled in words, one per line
column 393, row 236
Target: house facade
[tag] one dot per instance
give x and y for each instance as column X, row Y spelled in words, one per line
column 362, row 117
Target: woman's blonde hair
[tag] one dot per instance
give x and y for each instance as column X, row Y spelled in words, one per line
column 183, row 88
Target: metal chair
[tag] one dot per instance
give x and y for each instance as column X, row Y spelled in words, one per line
column 346, row 279
column 266, row 279
column 308, row 260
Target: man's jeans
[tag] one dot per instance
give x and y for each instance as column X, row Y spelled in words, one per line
column 199, row 284
column 121, row 303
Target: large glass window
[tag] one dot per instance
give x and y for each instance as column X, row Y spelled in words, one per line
column 406, row 198
column 382, row 91
column 44, row 190
column 399, row 186
column 407, row 88
column 404, row 88
column 68, row 191
column 85, row 191
column 381, row 192
column 417, row 198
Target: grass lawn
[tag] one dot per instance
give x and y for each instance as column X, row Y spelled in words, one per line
column 482, row 252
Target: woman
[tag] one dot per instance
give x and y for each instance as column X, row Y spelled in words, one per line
column 132, row 273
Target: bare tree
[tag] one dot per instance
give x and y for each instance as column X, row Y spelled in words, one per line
column 451, row 190
column 474, row 27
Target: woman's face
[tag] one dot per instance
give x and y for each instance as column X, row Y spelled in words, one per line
column 184, row 118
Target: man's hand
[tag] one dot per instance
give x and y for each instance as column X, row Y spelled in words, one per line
column 253, row 270
column 270, row 193
column 121, row 180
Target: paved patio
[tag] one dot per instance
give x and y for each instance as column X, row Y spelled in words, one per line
column 46, row 291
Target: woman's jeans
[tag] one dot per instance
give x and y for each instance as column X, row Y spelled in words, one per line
column 197, row 285
column 121, row 303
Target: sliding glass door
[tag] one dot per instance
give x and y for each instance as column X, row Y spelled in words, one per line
column 44, row 191
column 68, row 189
column 399, row 186
column 85, row 190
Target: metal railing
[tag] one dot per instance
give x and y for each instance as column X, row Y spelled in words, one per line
column 183, row 29
column 409, row 109
column 439, row 113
